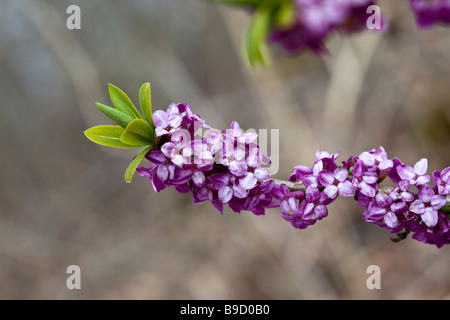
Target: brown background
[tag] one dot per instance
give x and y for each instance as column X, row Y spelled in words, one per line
column 63, row 199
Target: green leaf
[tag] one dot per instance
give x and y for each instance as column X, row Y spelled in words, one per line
column 145, row 100
column 119, row 117
column 138, row 132
column 285, row 15
column 108, row 136
column 256, row 47
column 134, row 164
column 122, row 102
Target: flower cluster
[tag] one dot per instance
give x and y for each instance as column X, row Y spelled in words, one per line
column 227, row 168
column 324, row 182
column 430, row 12
column 398, row 209
column 221, row 167
column 316, row 19
column 298, row 25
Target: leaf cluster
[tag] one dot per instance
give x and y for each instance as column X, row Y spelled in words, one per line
column 133, row 130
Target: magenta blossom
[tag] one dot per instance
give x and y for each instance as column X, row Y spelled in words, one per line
column 430, row 12
column 336, row 183
column 417, row 175
column 427, row 205
column 167, row 122
column 442, row 181
column 365, row 182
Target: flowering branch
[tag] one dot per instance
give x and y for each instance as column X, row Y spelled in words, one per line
column 294, row 186
column 302, row 25
column 227, row 168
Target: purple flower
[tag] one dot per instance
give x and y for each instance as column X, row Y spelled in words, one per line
column 288, row 200
column 260, row 198
column 427, row 205
column 438, row 235
column 317, row 19
column 254, row 172
column 365, row 182
column 376, row 160
column 315, row 204
column 336, row 183
column 179, row 149
column 384, row 208
column 235, row 147
column 401, row 192
column 417, row 175
column 160, row 172
column 327, row 160
column 442, row 181
column 167, row 122
column 226, row 186
column 236, row 134
column 233, row 157
column 429, row 12
column 312, row 180
column 393, row 174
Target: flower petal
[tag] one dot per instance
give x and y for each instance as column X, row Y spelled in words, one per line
column 426, row 193
column 160, row 118
column 156, row 157
column 422, row 180
column 430, row 217
column 248, row 181
column 237, row 169
column 162, row 173
column 399, row 207
column 386, row 164
column 445, row 175
column 239, row 191
column 367, row 158
column 341, row 174
column 199, row 178
column 320, row 154
column 358, row 169
column 284, row 206
column 262, row 174
column 438, row 201
column 420, row 168
column 346, row 189
column 370, row 177
column 383, row 200
column 317, row 167
column 308, row 211
column 320, row 212
column 326, row 178
column 293, row 205
column 417, row 207
column 391, row 219
column 219, row 180
column 312, row 194
column 225, row 194
column 248, row 137
column 331, row 191
column 406, row 172
column 375, row 214
column 367, row 190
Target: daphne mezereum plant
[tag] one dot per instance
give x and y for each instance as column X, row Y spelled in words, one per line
column 228, row 168
column 299, row 25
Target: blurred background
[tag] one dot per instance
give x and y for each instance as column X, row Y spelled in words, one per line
column 63, row 199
